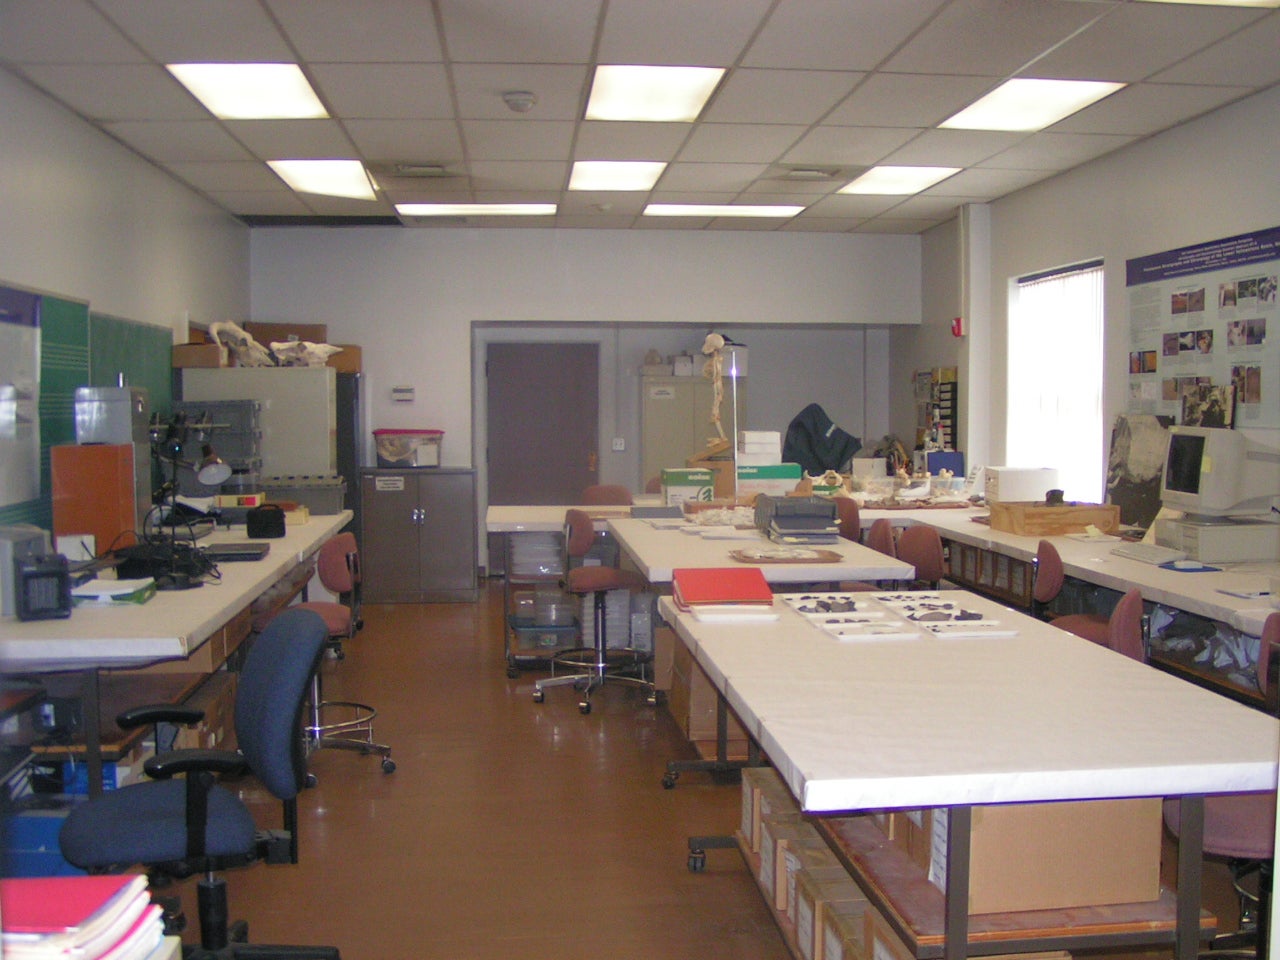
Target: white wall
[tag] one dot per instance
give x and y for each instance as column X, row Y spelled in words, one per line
column 1213, row 177
column 86, row 219
column 409, row 297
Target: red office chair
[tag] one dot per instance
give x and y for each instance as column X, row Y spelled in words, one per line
column 341, row 724
column 1241, row 827
column 1048, row 579
column 848, row 518
column 595, row 665
column 606, row 495
column 1101, row 630
column 880, row 537
column 920, row 546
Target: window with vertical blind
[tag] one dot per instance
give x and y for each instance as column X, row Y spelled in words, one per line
column 1055, row 377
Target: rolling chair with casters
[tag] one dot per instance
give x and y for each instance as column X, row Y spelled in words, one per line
column 177, row 826
column 1240, row 827
column 1047, row 580
column 920, row 546
column 338, row 566
column 1124, row 631
column 598, row 664
column 606, row 495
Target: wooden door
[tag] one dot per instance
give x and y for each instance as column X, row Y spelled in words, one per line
column 543, row 415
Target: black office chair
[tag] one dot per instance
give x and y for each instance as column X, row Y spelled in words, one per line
column 177, row 826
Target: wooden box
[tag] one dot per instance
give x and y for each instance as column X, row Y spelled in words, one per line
column 188, row 355
column 1038, row 520
column 348, row 361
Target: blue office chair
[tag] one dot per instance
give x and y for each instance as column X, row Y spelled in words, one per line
column 177, row 826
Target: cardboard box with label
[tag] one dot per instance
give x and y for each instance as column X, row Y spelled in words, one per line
column 686, row 483
column 776, row 480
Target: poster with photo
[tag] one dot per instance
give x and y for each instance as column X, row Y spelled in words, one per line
column 1198, row 328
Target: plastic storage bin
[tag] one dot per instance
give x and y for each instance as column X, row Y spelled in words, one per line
column 397, row 449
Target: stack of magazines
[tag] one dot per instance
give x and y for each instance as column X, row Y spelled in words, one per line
column 88, row 918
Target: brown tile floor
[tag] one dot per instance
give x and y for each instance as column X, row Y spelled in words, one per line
column 509, row 829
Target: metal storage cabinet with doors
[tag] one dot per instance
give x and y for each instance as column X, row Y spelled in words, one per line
column 419, row 535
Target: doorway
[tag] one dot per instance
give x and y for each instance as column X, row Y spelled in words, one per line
column 542, row 421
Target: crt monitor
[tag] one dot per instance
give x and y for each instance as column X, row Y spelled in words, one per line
column 1214, row 472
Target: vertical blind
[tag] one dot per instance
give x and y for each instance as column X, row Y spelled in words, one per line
column 1055, row 377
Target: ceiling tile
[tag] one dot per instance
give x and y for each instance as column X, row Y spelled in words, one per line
column 617, row 203
column 908, row 100
column 837, row 34
column 851, row 205
column 1144, row 108
column 1135, row 40
column 621, row 140
column 807, row 224
column 117, row 91
column 384, row 91
column 1246, row 57
column 778, row 96
column 516, row 31
column 1056, row 151
column 906, row 227
column 739, row 142
column 561, row 90
column 360, row 30
column 527, row 139
column 718, row 177
column 953, row 148
column 986, row 184
column 61, row 31
column 434, row 141
column 240, row 176
column 514, row 175
column 678, row 33
column 859, row 146
column 427, row 190
column 178, row 141
column 282, row 203
column 293, row 139
column 991, row 37
column 229, row 31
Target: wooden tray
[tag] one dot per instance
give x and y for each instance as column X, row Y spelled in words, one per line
column 759, row 555
column 1038, row 520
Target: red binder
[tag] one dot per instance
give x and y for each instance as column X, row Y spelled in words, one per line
column 720, row 586
column 86, row 915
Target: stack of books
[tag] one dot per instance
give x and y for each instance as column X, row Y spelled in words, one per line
column 88, row 918
column 723, row 593
column 797, row 521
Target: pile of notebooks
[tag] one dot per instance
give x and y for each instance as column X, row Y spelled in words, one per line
column 89, row 918
column 723, row 593
column 798, row 520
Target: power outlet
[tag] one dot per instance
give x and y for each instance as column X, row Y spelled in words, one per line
column 619, row 444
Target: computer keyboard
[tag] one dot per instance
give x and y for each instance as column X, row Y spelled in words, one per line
column 1148, row 553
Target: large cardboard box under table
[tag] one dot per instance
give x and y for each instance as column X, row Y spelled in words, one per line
column 763, row 793
column 692, row 701
column 819, row 893
column 1048, row 856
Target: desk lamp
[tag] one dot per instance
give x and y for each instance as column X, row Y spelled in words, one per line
column 168, row 439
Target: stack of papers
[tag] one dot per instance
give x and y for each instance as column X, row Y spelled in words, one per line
column 89, row 918
column 114, row 591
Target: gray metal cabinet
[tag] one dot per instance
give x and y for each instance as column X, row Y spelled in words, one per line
column 419, row 535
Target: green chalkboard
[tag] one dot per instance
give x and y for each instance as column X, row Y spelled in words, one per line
column 138, row 353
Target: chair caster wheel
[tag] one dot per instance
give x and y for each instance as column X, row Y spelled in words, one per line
column 311, row 780
column 669, row 781
column 538, row 696
column 584, row 707
column 513, row 673
column 697, row 861
column 388, row 765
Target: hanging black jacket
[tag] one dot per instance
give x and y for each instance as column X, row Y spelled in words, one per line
column 816, row 443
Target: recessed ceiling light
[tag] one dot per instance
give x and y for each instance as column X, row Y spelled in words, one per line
column 475, row 209
column 615, row 174
column 1029, row 104
column 251, row 91
column 898, row 181
column 720, row 210
column 330, row 178
column 672, row 94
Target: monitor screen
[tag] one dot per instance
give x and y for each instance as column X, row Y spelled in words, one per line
column 1217, row 472
column 1182, row 469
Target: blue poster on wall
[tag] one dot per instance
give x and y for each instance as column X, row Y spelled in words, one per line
column 1205, row 333
column 19, row 396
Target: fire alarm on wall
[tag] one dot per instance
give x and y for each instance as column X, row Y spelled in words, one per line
column 957, row 327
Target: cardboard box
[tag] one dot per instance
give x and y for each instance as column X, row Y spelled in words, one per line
column 1043, row 856
column 686, row 483
column 763, row 793
column 664, row 651
column 188, row 355
column 350, row 360
column 776, row 480
column 844, row 931
column 811, row 857
column 883, row 944
column 692, row 701
column 1038, row 520
column 819, row 893
column 778, row 832
column 1016, row 484
column 269, row 333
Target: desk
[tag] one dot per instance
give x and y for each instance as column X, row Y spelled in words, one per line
column 1035, row 717
column 656, row 552
column 172, row 626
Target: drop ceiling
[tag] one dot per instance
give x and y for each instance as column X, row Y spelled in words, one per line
column 816, row 91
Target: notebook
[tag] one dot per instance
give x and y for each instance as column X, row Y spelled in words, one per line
column 239, row 550
column 720, row 586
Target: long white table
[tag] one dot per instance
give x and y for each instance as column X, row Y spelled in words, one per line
column 656, row 552
column 954, row 722
column 171, row 626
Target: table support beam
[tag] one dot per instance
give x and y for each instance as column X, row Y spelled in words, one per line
column 1190, row 853
column 956, row 944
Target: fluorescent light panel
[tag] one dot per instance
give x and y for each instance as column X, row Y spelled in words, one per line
column 330, row 178
column 475, row 209
column 1029, row 104
column 251, row 91
column 615, row 174
column 653, row 94
column 898, row 181
column 720, row 210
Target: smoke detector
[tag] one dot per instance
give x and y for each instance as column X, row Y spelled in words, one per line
column 519, row 101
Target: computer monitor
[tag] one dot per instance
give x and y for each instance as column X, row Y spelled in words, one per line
column 1210, row 472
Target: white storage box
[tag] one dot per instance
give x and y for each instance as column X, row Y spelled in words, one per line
column 1019, row 484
